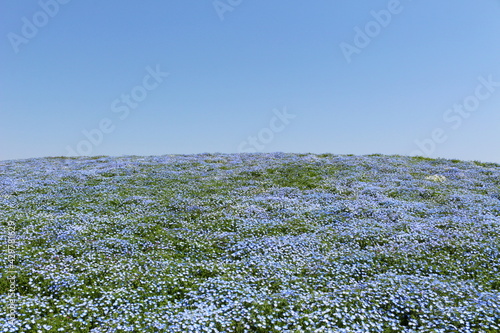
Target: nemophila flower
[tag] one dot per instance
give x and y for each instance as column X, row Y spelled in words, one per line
column 276, row 242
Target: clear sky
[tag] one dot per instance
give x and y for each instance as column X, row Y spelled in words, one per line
column 179, row 77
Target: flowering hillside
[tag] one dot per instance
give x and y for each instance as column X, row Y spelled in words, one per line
column 251, row 243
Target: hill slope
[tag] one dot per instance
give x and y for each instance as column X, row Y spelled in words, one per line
column 252, row 243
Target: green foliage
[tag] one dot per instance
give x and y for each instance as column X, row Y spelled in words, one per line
column 304, row 177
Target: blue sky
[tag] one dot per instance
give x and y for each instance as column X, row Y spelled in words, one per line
column 341, row 77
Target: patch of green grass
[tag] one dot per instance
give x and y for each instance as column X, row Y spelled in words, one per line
column 486, row 164
column 302, row 176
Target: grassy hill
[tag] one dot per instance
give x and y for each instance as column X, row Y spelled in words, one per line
column 251, row 243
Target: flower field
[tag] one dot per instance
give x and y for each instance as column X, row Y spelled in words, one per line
column 251, row 243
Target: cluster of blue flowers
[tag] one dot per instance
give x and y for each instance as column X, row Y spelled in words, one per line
column 252, row 243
